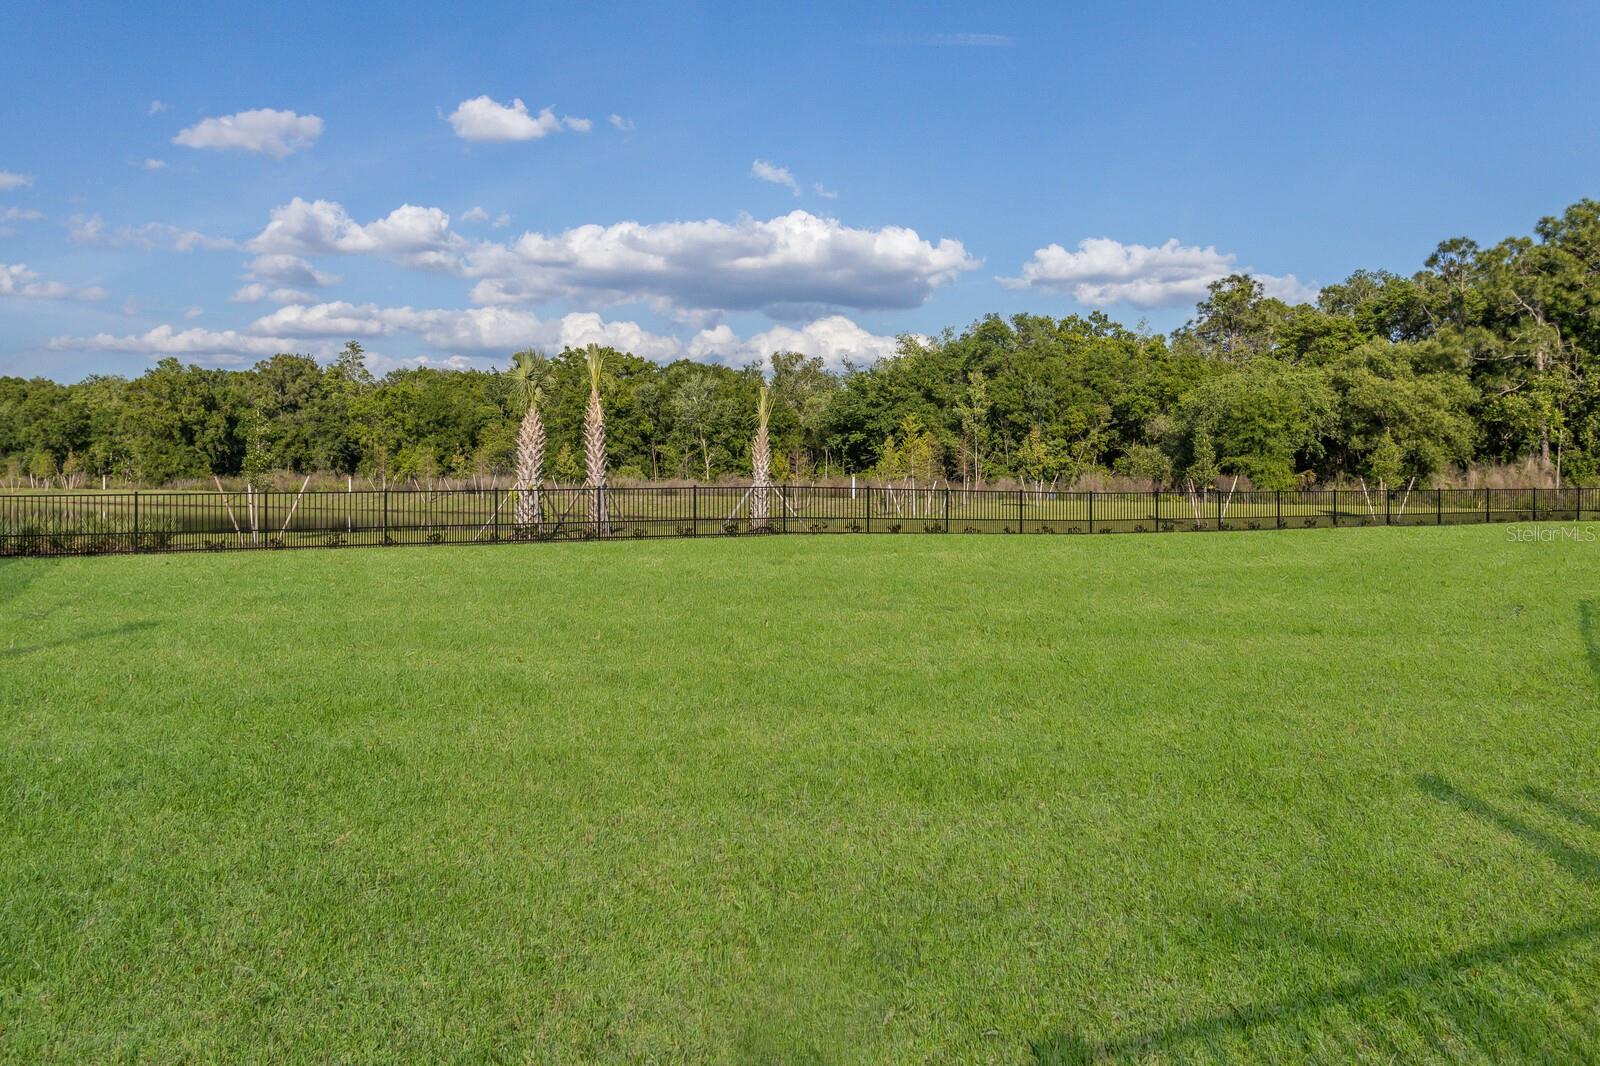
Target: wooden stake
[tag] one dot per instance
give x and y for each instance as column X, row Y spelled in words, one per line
column 296, row 504
column 229, row 506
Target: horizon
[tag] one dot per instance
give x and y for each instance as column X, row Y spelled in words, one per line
column 666, row 184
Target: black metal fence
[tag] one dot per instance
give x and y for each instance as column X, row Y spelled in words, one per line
column 94, row 523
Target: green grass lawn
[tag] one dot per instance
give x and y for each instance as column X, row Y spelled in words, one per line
column 1309, row 795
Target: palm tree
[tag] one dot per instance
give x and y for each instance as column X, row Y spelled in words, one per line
column 760, row 464
column 594, row 440
column 529, row 374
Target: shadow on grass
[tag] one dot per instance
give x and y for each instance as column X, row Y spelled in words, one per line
column 1071, row 1049
column 17, row 574
column 1589, row 629
column 1480, row 1017
column 1576, row 861
column 1570, row 811
column 76, row 638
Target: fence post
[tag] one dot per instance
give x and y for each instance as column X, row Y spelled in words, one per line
column 1486, row 517
column 694, row 510
column 947, row 508
column 1219, row 510
column 386, row 511
column 135, row 519
column 1019, row 510
column 1438, row 507
column 1155, row 507
column 1277, row 522
column 783, row 509
column 1091, row 510
column 869, row 508
column 1388, row 494
column 496, row 514
column 599, row 510
column 1535, row 505
column 1335, row 508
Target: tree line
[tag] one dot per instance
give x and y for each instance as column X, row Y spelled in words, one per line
column 1485, row 356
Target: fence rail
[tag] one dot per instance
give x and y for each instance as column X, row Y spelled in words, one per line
column 99, row 522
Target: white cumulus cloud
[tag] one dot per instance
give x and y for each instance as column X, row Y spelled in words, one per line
column 1104, row 271
column 255, row 292
column 619, row 122
column 274, row 133
column 483, row 118
column 475, row 214
column 20, row 214
column 10, row 179
column 289, row 270
column 834, row 339
column 793, row 262
column 774, row 174
column 17, row 280
column 415, row 236
column 150, row 236
column 221, row 346
column 477, row 332
column 794, row 266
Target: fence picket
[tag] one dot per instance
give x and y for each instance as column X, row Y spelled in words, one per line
column 143, row 521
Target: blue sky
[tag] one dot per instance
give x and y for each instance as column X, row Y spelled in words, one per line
column 219, row 182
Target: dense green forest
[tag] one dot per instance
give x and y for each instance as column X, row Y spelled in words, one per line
column 1486, row 356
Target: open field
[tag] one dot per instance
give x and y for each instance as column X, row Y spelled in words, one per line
column 1322, row 795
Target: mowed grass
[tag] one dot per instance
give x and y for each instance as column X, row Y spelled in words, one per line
column 1302, row 795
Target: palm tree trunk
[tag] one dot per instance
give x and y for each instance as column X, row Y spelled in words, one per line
column 761, row 478
column 530, row 470
column 760, row 468
column 594, row 457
